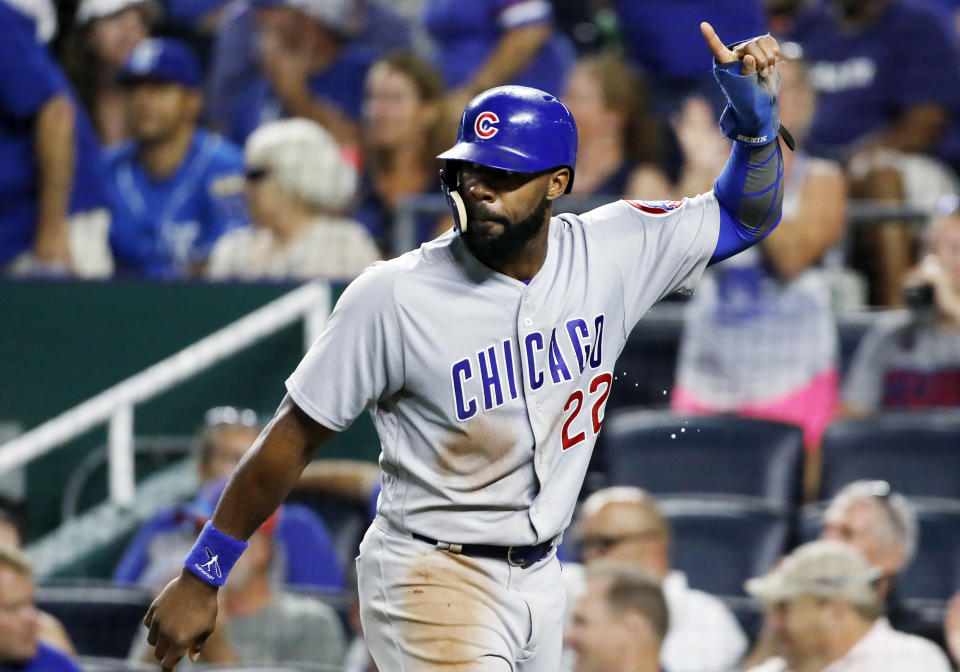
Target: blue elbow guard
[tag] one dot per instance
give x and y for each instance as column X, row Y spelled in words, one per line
column 751, row 115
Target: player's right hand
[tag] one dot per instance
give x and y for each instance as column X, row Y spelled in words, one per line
column 181, row 619
column 757, row 55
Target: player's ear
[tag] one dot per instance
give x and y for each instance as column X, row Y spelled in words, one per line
column 558, row 183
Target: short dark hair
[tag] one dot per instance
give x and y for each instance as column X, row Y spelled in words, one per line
column 630, row 589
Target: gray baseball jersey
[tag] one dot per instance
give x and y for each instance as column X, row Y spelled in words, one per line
column 488, row 393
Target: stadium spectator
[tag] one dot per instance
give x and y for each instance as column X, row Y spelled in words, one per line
column 258, row 624
column 159, row 546
column 156, row 551
column 620, row 622
column 175, row 188
column 825, row 614
column 701, row 147
column 21, row 645
column 487, row 43
column 886, row 74
column 309, row 68
column 404, row 128
column 52, row 209
column 882, row 526
column 96, row 48
column 911, row 359
column 619, row 132
column 774, row 297
column 234, row 63
column 624, row 525
column 49, row 629
column 662, row 37
column 298, row 186
column 879, row 523
column 781, row 15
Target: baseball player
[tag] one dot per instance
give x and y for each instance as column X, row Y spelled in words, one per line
column 486, row 358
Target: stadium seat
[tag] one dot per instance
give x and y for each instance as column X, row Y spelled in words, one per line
column 749, row 613
column 917, row 453
column 647, row 366
column 719, row 544
column 311, row 555
column 346, row 521
column 100, row 618
column 934, row 573
column 675, row 455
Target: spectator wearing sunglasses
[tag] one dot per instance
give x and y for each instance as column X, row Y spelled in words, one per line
column 623, row 525
column 298, row 187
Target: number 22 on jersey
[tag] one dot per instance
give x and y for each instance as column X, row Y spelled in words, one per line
column 598, row 391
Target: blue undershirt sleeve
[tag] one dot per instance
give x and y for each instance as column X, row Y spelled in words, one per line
column 750, row 193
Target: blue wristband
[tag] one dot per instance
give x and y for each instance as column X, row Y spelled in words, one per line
column 214, row 555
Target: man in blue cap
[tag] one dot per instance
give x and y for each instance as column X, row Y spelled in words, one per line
column 174, row 188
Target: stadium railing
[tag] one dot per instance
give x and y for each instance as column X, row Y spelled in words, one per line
column 115, row 406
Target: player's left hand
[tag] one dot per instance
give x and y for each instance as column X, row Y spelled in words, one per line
column 181, row 619
column 757, row 55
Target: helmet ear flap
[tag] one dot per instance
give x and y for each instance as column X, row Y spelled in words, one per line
column 449, row 182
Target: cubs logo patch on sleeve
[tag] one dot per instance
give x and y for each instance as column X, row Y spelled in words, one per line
column 656, row 207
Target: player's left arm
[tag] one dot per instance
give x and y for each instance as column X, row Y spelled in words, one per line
column 749, row 190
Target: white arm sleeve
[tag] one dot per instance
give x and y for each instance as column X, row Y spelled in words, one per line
column 358, row 359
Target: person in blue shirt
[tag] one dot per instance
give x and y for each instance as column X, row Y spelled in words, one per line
column 235, row 63
column 486, row 43
column 309, row 67
column 20, row 649
column 886, row 75
column 662, row 38
column 51, row 194
column 176, row 188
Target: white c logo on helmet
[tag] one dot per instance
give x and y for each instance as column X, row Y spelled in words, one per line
column 485, row 126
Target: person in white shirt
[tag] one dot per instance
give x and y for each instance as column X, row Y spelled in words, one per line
column 619, row 622
column 825, row 615
column 624, row 525
column 298, row 185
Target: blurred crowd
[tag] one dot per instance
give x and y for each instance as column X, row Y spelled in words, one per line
column 294, row 139
column 281, row 138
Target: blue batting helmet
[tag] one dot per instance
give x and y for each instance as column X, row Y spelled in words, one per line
column 515, row 128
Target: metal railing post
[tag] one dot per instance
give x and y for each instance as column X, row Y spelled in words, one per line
column 120, row 440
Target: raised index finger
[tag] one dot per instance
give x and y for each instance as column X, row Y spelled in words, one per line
column 720, row 52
